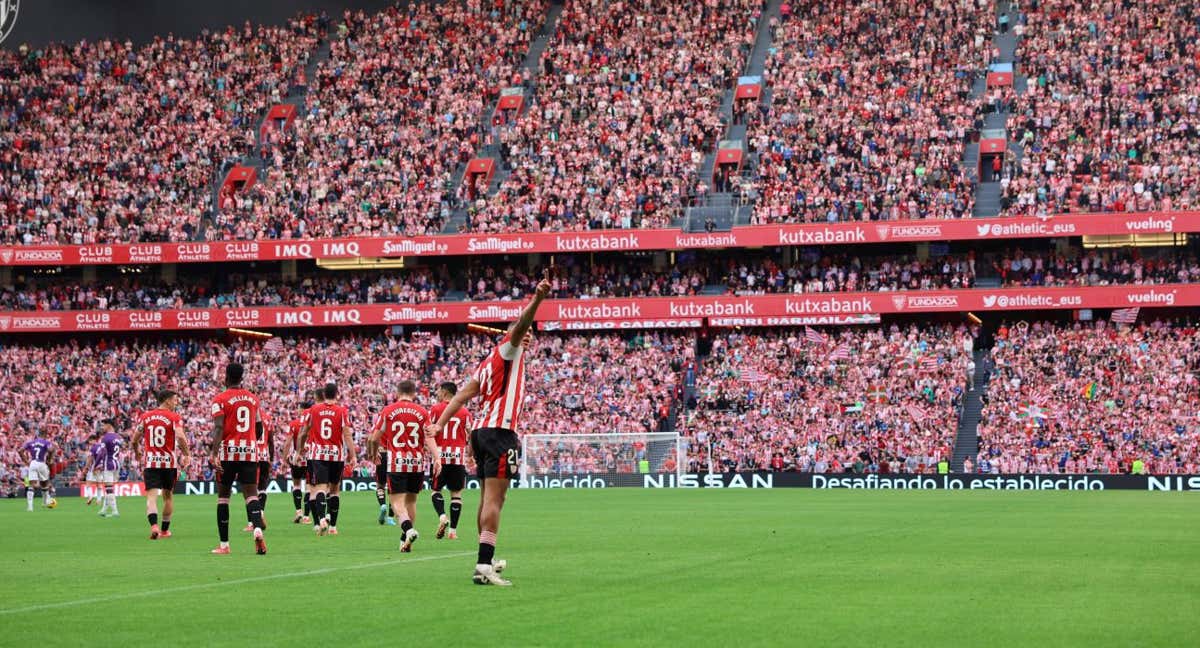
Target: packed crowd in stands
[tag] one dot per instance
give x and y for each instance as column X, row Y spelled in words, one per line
column 883, row 399
column 1108, row 120
column 1096, row 268
column 395, row 111
column 104, row 141
column 626, row 107
column 870, row 111
column 65, row 390
column 845, row 273
column 1092, row 397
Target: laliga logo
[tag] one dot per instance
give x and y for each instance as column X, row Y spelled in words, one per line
column 8, row 19
column 883, row 231
column 899, row 301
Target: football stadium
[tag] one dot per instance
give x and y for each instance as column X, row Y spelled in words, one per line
column 600, row 322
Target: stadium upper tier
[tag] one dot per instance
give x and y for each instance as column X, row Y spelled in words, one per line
column 867, row 113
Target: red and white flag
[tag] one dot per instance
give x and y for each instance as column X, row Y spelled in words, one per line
column 754, row 376
column 916, row 413
column 842, row 352
column 929, row 363
column 814, row 336
column 1125, row 315
column 274, row 344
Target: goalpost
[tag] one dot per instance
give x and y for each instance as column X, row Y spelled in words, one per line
column 619, row 458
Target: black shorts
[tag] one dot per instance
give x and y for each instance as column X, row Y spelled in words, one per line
column 264, row 474
column 244, row 472
column 453, row 477
column 299, row 474
column 405, row 482
column 163, row 478
column 325, row 472
column 497, row 453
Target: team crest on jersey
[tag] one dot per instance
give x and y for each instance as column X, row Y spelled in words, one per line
column 883, row 231
column 8, row 18
column 900, row 301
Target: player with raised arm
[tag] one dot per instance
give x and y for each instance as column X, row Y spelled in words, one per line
column 329, row 443
column 107, row 465
column 234, row 455
column 400, row 433
column 500, row 380
column 37, row 453
column 453, row 442
column 298, row 466
column 162, row 445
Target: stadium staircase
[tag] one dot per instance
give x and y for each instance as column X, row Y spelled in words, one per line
column 724, row 208
column 296, row 97
column 491, row 150
column 966, row 443
column 988, row 193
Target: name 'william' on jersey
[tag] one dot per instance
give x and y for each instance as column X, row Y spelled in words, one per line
column 327, row 423
column 240, row 409
column 452, row 440
column 403, row 437
column 158, row 428
column 501, row 378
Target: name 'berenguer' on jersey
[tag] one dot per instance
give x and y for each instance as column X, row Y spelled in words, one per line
column 324, row 442
column 240, row 409
column 158, row 427
column 403, row 424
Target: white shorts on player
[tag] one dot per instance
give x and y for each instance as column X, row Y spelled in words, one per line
column 107, row 476
column 38, row 471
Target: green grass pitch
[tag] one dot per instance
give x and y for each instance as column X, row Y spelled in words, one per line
column 626, row 567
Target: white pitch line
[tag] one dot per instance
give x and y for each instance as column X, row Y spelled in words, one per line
column 240, row 581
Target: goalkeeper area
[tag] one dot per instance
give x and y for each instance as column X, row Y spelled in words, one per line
column 625, row 567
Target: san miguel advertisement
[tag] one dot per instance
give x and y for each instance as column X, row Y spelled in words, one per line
column 760, row 480
column 649, row 312
column 967, row 229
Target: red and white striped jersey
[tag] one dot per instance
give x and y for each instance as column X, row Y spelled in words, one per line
column 240, row 409
column 326, row 422
column 403, row 437
column 158, row 428
column 452, row 440
column 294, row 429
column 501, row 378
column 264, row 449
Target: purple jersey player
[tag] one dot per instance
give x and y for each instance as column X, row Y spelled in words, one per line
column 105, row 462
column 37, row 452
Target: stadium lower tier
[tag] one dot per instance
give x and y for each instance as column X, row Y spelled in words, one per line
column 1062, row 398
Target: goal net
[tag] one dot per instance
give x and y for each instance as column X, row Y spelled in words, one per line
column 618, row 459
